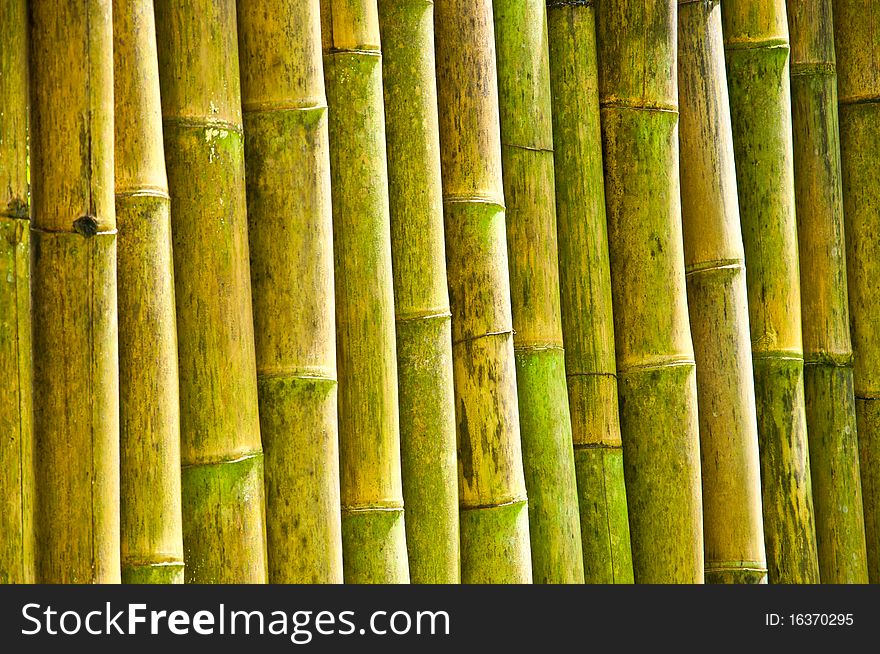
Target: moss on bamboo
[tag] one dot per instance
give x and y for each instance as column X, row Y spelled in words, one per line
column 492, row 493
column 149, row 412
column 16, row 447
column 424, row 354
column 291, row 249
column 828, row 373
column 527, row 162
column 718, row 305
column 585, row 286
column 655, row 364
column 757, row 52
column 73, row 275
column 222, row 479
column 373, row 531
column 857, row 46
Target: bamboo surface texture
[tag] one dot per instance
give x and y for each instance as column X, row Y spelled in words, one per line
column 424, row 337
column 529, row 192
column 585, row 290
column 373, row 530
column 73, row 277
column 857, row 49
column 287, row 165
column 757, row 54
column 149, row 412
column 16, row 445
column 655, row 361
column 492, row 492
column 221, row 453
column 718, row 304
column 828, row 360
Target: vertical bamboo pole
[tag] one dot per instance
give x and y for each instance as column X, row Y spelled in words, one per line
column 529, row 191
column 16, row 445
column 857, row 46
column 757, row 52
column 373, row 531
column 221, row 454
column 828, row 360
column 291, row 244
column 73, row 276
column 718, row 304
column 424, row 350
column 492, row 492
column 585, row 286
column 149, row 411
column 655, row 363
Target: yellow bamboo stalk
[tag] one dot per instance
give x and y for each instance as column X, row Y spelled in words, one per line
column 424, row 342
column 529, row 189
column 655, row 362
column 492, row 493
column 149, row 412
column 73, row 276
column 16, row 445
column 857, row 49
column 828, row 361
column 587, row 320
column 221, row 453
column 718, row 304
column 757, row 56
column 291, row 244
column 373, row 530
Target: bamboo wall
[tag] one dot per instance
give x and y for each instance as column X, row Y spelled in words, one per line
column 481, row 291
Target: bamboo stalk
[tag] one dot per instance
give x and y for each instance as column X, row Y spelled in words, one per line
column 655, row 363
column 857, row 46
column 492, row 493
column 149, row 411
column 291, row 244
column 16, row 447
column 757, row 53
column 221, row 454
column 73, row 282
column 585, row 286
column 527, row 162
column 373, row 530
column 828, row 359
column 718, row 304
column 424, row 351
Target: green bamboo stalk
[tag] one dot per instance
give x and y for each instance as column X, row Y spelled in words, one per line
column 585, row 285
column 492, row 491
column 828, row 360
column 73, row 282
column 221, row 454
column 527, row 162
column 291, row 244
column 16, row 446
column 655, row 363
column 718, row 304
column 757, row 53
column 149, row 411
column 373, row 530
column 857, row 47
column 424, row 350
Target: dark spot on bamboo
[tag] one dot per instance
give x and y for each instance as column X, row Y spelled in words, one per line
column 86, row 226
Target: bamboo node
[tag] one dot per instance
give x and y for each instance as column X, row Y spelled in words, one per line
column 86, row 226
